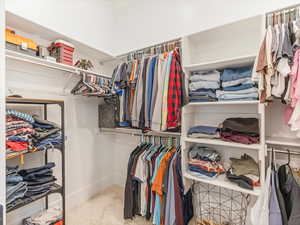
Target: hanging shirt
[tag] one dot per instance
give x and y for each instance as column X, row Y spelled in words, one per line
column 274, row 209
column 175, row 93
column 149, row 89
column 157, row 112
column 164, row 111
column 260, row 210
column 134, row 114
column 154, row 91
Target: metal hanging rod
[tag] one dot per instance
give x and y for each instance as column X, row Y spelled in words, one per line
column 284, row 9
column 281, row 15
column 149, row 47
column 284, row 151
column 140, row 50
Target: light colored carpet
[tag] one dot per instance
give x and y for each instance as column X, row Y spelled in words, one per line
column 104, row 209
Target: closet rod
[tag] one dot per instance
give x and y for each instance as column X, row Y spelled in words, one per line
column 284, row 152
column 118, row 57
column 146, row 48
column 284, row 9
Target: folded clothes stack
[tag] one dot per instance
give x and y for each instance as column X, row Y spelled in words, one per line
column 244, row 172
column 237, row 85
column 240, row 130
column 204, row 162
column 29, row 184
column 18, row 132
column 39, row 180
column 26, row 133
column 203, row 86
column 15, row 186
column 49, row 217
column 204, row 132
column 47, row 134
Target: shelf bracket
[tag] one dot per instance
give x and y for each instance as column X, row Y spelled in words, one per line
column 64, row 93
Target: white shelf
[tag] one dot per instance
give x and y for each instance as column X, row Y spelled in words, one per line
column 222, row 181
column 283, row 141
column 222, row 64
column 45, row 63
column 222, row 143
column 223, row 103
column 125, row 130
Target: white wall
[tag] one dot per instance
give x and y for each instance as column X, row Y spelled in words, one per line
column 140, row 23
column 119, row 26
column 88, row 21
column 2, row 110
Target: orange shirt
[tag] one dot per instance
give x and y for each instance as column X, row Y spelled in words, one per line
column 158, row 181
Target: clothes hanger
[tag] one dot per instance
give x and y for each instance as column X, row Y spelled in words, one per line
column 288, row 163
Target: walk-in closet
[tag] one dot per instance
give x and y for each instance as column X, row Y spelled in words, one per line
column 116, row 112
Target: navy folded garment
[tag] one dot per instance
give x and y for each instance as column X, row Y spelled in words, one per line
column 201, row 171
column 203, row 130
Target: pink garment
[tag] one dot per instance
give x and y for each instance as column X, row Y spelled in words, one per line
column 295, row 76
column 288, row 111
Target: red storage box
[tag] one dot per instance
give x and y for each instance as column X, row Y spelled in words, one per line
column 62, row 51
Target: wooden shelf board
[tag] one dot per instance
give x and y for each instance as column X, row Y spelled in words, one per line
column 32, row 101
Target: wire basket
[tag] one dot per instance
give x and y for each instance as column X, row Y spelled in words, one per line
column 214, row 205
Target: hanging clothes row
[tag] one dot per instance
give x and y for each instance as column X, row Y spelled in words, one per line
column 277, row 67
column 151, row 91
column 154, row 186
column 92, row 85
column 278, row 204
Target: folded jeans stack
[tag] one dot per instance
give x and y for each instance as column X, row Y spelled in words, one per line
column 39, row 180
column 204, row 162
column 18, row 131
column 203, row 86
column 15, row 186
column 240, row 130
column 48, row 217
column 244, row 172
column 237, row 85
column 27, row 185
column 204, row 132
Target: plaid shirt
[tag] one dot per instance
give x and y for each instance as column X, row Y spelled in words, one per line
column 175, row 93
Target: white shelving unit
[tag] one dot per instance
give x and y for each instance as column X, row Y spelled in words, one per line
column 207, row 51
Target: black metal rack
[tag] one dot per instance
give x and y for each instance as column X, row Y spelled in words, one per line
column 56, row 188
